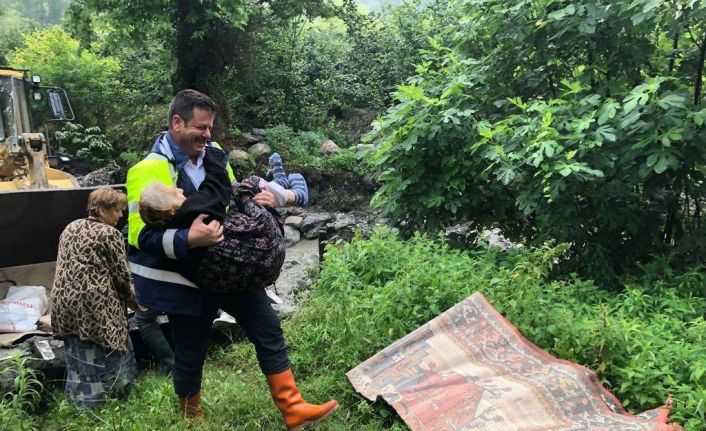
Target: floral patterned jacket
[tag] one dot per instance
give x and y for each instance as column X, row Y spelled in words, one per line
column 92, row 285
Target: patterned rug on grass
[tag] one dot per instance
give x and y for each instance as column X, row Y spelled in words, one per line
column 470, row 369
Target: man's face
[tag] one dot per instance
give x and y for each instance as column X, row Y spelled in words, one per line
column 192, row 136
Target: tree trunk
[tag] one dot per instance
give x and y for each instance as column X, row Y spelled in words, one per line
column 673, row 56
column 700, row 72
column 202, row 61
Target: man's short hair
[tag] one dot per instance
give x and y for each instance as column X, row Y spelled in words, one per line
column 185, row 101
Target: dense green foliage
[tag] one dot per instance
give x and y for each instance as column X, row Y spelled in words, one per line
column 311, row 65
column 306, row 73
column 90, row 79
column 199, row 34
column 301, row 149
column 645, row 343
column 203, row 37
column 23, row 16
column 293, row 146
column 579, row 122
column 90, row 144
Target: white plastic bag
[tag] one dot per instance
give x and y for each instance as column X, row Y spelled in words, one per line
column 22, row 308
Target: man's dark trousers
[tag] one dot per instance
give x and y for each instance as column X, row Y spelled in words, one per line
column 253, row 312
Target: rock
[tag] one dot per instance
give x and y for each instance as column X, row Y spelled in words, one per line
column 344, row 226
column 292, row 211
column 337, row 190
column 274, row 298
column 460, row 235
column 251, row 139
column 259, row 132
column 464, row 235
column 259, row 150
column 294, row 221
column 329, row 148
column 291, row 236
column 495, row 238
column 237, row 155
column 341, row 225
column 312, row 223
column 112, row 173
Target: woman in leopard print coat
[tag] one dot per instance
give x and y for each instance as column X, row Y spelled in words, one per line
column 92, row 288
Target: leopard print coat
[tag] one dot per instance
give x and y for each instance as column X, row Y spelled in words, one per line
column 92, row 285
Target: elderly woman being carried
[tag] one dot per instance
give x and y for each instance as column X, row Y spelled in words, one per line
column 252, row 251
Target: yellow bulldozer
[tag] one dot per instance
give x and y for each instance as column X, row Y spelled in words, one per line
column 37, row 200
column 24, row 155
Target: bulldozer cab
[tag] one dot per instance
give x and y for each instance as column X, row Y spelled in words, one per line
column 22, row 99
column 11, row 121
column 26, row 157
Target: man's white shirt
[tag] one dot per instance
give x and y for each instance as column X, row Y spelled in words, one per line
column 196, row 172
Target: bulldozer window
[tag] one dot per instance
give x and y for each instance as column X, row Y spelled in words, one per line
column 5, row 104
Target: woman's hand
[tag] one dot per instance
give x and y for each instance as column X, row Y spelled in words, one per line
column 281, row 195
column 265, row 198
column 204, row 235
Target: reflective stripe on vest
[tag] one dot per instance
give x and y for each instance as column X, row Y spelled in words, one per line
column 160, row 275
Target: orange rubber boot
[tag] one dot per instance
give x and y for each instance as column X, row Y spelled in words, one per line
column 297, row 413
column 190, row 407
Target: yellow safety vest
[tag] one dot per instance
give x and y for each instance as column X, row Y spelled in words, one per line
column 154, row 167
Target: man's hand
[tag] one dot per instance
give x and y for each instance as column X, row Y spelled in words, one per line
column 204, row 235
column 265, row 198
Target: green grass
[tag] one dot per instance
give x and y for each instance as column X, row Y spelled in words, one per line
column 645, row 342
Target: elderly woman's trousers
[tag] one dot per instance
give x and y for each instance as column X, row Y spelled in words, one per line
column 253, row 312
column 95, row 373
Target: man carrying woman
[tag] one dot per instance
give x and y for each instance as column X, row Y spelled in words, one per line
column 178, row 159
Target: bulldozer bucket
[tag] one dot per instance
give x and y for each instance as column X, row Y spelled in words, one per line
column 31, row 222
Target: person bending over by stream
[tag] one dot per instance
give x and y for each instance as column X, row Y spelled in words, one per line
column 91, row 292
column 182, row 157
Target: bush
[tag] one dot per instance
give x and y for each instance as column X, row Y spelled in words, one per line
column 645, row 343
column 88, row 144
column 135, row 133
column 516, row 122
column 243, row 168
column 347, row 160
column 302, row 149
column 305, row 72
column 298, row 148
